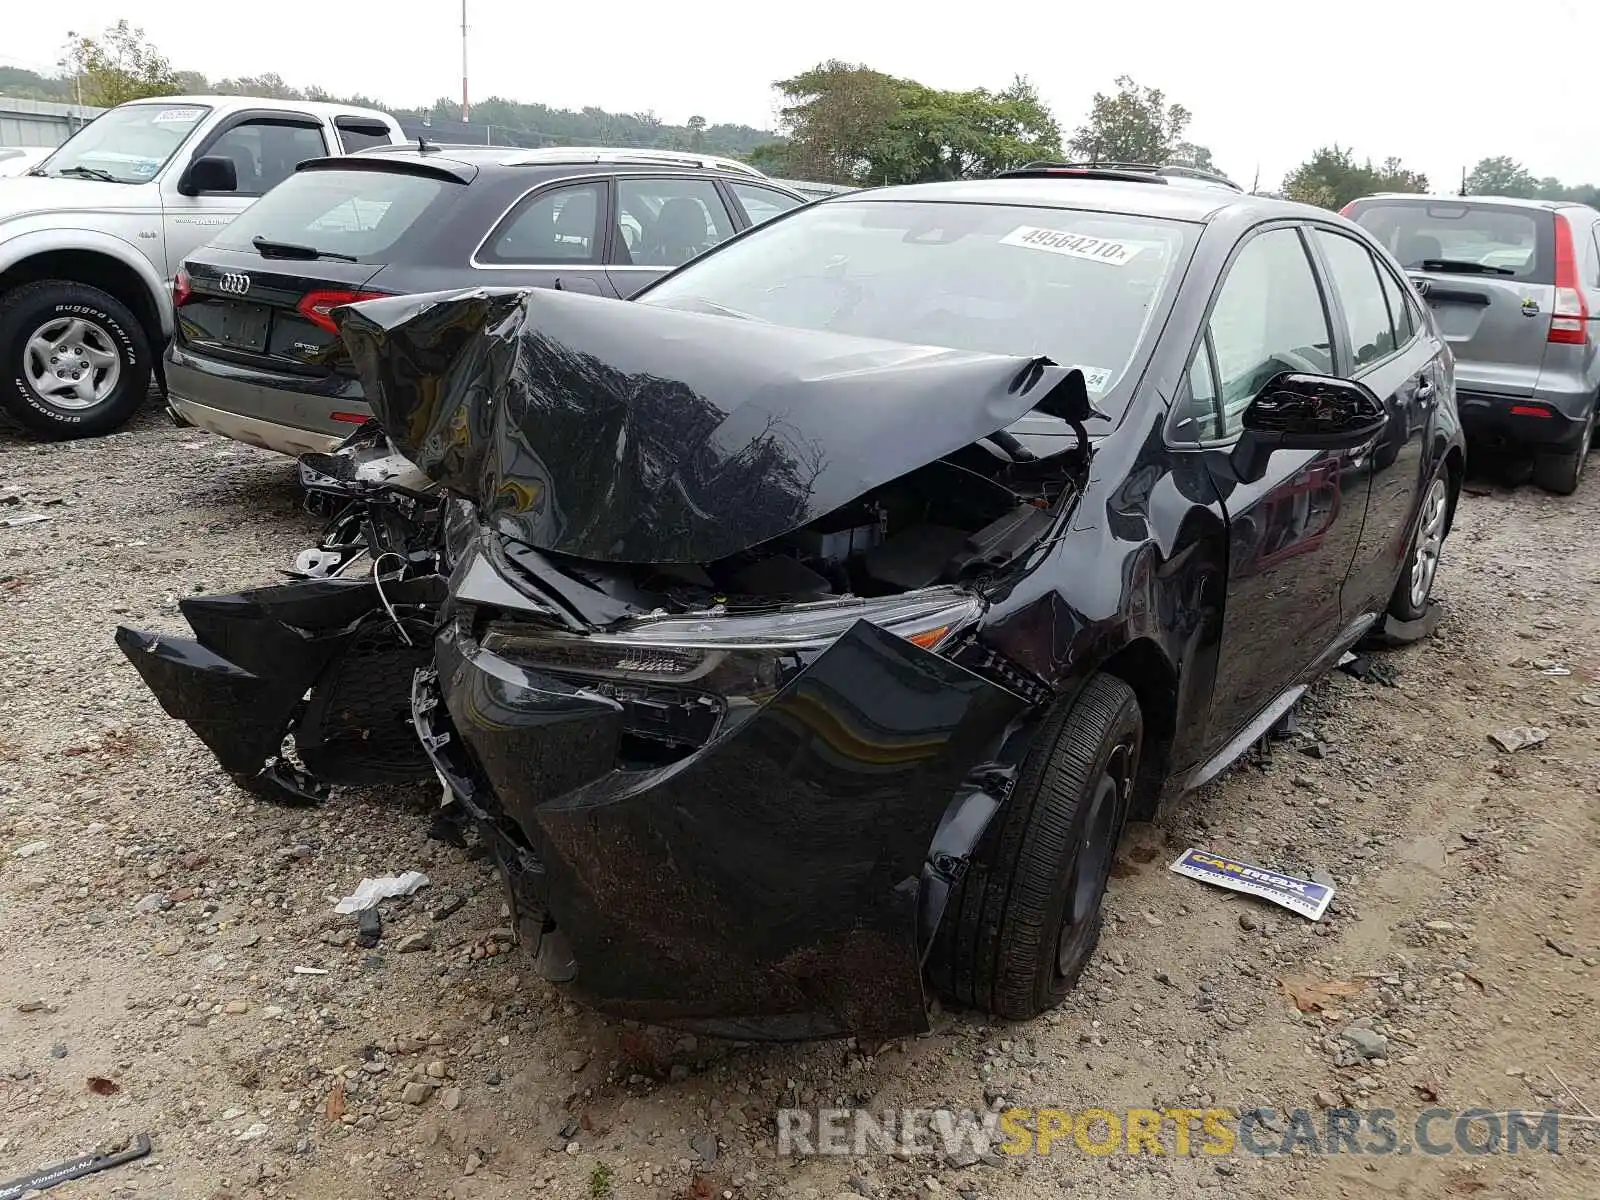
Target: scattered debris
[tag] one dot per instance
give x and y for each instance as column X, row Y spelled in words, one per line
column 1391, row 633
column 1308, row 898
column 24, row 519
column 1370, row 670
column 448, row 906
column 101, row 1086
column 705, row 1145
column 1519, row 737
column 1561, row 948
column 33, row 1006
column 369, row 928
column 335, row 1105
column 370, row 891
column 413, row 942
column 1367, row 1042
column 310, row 970
column 75, row 1168
column 31, row 849
column 1310, row 995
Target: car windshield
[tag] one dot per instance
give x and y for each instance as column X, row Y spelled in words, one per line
column 361, row 213
column 1460, row 237
column 1079, row 287
column 129, row 144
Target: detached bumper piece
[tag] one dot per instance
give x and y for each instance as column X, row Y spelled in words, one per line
column 300, row 686
column 766, row 886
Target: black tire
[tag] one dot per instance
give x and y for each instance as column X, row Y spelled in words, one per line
column 1404, row 604
column 110, row 329
column 1561, row 473
column 1024, row 919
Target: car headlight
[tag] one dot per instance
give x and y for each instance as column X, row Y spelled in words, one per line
column 733, row 662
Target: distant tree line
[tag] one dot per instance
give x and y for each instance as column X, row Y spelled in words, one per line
column 838, row 122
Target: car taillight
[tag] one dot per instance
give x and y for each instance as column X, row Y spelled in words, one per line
column 1347, row 209
column 181, row 291
column 1569, row 320
column 316, row 306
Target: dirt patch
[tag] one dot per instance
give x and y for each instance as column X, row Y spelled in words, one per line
column 167, row 935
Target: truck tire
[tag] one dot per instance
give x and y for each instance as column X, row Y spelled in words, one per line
column 76, row 363
column 1561, row 473
column 1025, row 917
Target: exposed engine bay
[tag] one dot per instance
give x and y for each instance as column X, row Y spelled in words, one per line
column 943, row 523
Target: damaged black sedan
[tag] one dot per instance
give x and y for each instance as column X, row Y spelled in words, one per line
column 803, row 633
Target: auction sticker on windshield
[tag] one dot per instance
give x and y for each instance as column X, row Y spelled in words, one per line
column 1096, row 379
column 1076, row 245
column 177, row 116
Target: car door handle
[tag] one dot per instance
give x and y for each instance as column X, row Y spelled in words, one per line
column 1425, row 391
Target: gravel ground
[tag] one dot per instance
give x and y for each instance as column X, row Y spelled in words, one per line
column 170, row 961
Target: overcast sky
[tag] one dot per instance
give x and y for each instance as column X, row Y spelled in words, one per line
column 1440, row 85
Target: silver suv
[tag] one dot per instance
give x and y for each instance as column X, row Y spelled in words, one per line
column 1515, row 288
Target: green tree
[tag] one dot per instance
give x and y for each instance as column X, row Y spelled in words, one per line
column 119, row 65
column 1135, row 125
column 697, row 133
column 1187, row 154
column 270, row 86
column 1502, row 176
column 1332, row 177
column 851, row 124
column 833, row 115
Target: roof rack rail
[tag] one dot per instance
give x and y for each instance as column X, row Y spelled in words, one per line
column 1132, row 172
column 688, row 158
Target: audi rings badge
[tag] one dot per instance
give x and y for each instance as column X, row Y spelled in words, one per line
column 235, row 283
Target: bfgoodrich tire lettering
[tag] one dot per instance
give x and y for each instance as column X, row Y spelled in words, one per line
column 1025, row 917
column 35, row 306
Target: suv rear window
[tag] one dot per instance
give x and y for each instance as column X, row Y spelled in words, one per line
column 1488, row 239
column 360, row 213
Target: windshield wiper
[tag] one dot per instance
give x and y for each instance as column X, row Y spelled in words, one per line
column 268, row 248
column 1461, row 266
column 89, row 173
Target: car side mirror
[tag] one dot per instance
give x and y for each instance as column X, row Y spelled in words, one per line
column 209, row 173
column 1306, row 412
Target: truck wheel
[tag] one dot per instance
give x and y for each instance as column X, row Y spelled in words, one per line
column 1561, row 473
column 1025, row 917
column 76, row 362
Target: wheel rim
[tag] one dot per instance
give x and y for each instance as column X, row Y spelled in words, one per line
column 1429, row 542
column 1107, row 806
column 72, row 362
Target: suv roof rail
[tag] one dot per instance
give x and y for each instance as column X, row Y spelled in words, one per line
column 1130, row 172
column 623, row 154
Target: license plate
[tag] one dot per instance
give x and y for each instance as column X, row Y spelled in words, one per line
column 243, row 326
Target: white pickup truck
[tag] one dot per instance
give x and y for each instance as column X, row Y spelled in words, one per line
column 91, row 238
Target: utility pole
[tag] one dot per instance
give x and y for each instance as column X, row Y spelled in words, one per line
column 466, row 110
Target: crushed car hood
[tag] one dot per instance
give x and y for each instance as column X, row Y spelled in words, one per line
column 632, row 433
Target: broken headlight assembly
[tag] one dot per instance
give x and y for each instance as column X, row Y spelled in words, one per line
column 683, row 679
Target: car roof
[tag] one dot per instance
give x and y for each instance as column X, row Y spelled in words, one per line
column 1153, row 199
column 320, row 108
column 1505, row 201
column 467, row 162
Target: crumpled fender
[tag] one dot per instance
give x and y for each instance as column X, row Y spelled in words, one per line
column 767, row 885
column 241, row 683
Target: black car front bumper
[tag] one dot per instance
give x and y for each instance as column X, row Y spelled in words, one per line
column 780, row 882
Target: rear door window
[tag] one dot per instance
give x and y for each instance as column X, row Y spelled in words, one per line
column 266, row 152
column 556, row 226
column 667, row 220
column 1402, row 312
column 1366, row 311
column 361, row 133
column 1460, row 237
column 359, row 213
column 762, row 203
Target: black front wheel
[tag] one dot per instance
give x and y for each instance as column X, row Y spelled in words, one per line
column 1025, row 918
column 76, row 363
